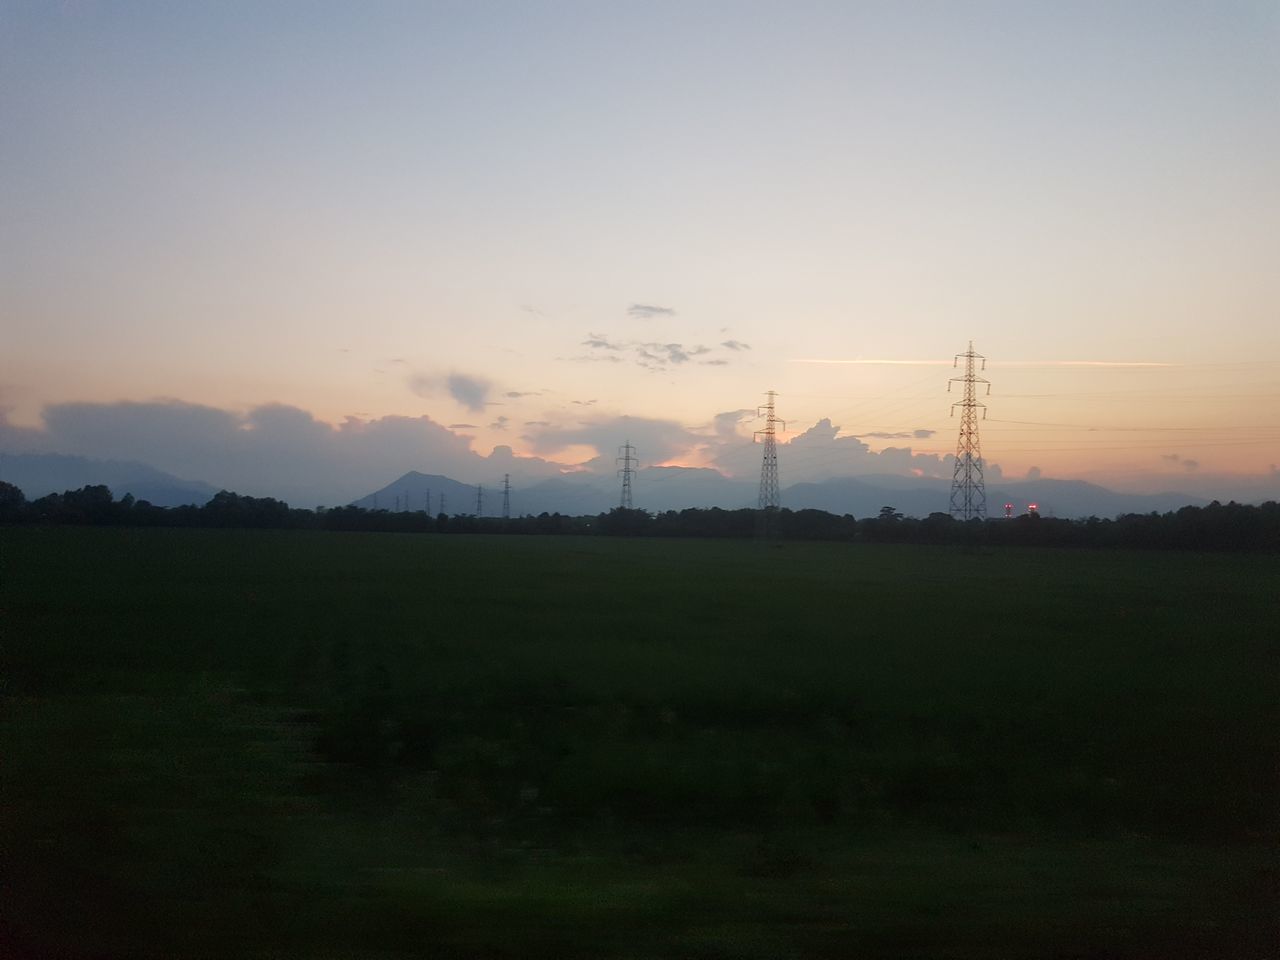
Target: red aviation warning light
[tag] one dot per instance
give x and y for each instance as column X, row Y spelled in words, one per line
column 1008, row 510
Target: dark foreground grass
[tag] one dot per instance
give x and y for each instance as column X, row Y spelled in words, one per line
column 322, row 745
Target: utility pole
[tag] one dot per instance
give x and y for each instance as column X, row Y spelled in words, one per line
column 770, row 498
column 627, row 458
column 968, row 490
column 506, row 496
column 479, row 499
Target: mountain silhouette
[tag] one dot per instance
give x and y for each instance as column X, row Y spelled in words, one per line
column 658, row 489
column 39, row 474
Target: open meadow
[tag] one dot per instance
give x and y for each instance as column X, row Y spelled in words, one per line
column 306, row 744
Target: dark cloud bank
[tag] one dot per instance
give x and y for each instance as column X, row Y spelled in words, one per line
column 272, row 450
column 282, row 451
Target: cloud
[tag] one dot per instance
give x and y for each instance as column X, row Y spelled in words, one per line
column 900, row 435
column 735, row 345
column 661, row 354
column 463, row 426
column 499, row 424
column 1003, row 363
column 645, row 311
column 822, row 431
column 272, row 450
column 714, row 363
column 517, row 394
column 1188, row 465
column 820, row 452
column 584, row 403
column 655, row 440
column 726, row 424
column 1034, row 473
column 650, row 354
column 471, row 392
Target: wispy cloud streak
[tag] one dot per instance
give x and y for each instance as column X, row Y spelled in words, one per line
column 1003, row 363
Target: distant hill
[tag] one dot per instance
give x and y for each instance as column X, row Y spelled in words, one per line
column 1076, row 498
column 39, row 474
column 675, row 488
column 409, row 493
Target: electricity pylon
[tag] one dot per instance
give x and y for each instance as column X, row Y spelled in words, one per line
column 506, row 496
column 770, row 498
column 479, row 499
column 627, row 458
column 968, row 491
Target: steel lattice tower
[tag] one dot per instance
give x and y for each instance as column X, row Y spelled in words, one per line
column 506, row 496
column 968, row 491
column 770, row 499
column 627, row 458
column 479, row 498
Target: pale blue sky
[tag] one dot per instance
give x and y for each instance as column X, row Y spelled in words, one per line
column 335, row 206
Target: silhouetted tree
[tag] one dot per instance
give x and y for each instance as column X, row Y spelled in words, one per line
column 12, row 502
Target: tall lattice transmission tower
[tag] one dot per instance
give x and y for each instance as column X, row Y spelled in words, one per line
column 479, row 499
column 506, row 496
column 627, row 457
column 770, row 498
column 968, row 491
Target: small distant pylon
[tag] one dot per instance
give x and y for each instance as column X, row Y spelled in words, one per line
column 770, row 498
column 442, row 501
column 479, row 499
column 506, row 496
column 627, row 457
column 427, row 501
column 968, row 490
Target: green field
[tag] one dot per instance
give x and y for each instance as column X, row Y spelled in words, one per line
column 276, row 744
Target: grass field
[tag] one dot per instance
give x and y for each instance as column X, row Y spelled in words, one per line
column 274, row 744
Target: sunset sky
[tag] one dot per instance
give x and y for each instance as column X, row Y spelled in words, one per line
column 558, row 226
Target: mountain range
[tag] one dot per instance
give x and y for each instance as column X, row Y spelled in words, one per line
column 675, row 488
column 653, row 489
column 39, row 474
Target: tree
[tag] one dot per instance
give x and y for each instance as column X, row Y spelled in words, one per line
column 12, row 500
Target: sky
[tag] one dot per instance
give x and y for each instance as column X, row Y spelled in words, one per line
column 254, row 243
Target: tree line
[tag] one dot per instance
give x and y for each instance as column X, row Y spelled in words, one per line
column 1218, row 526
